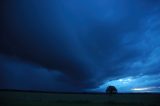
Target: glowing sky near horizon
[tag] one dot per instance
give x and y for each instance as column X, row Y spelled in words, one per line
column 80, row 45
column 133, row 84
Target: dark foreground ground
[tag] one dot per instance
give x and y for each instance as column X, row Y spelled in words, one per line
column 26, row 98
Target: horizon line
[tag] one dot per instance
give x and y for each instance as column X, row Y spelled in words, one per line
column 74, row 92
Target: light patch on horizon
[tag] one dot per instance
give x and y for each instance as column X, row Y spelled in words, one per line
column 146, row 89
column 133, row 84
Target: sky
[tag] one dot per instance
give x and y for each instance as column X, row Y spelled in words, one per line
column 80, row 45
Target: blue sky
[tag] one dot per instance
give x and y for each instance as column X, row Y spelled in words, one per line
column 80, row 45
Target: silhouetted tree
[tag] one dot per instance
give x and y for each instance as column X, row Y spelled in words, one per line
column 111, row 90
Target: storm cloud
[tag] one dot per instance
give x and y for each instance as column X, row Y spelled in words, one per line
column 89, row 42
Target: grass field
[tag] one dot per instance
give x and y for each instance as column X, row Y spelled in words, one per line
column 22, row 98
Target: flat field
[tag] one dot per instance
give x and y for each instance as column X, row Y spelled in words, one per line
column 27, row 98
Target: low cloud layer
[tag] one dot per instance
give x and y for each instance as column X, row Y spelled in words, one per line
column 86, row 42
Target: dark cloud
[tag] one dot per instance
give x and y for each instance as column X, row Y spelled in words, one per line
column 17, row 74
column 88, row 42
